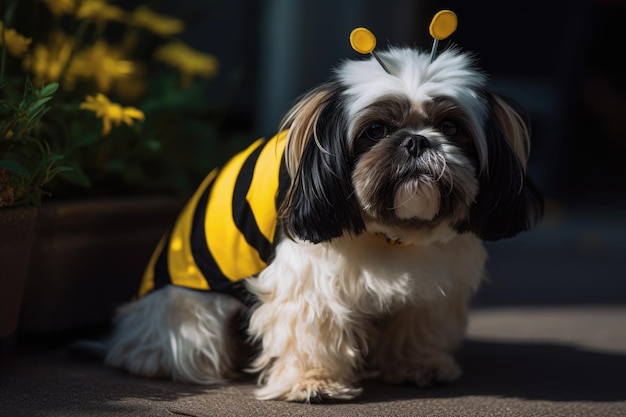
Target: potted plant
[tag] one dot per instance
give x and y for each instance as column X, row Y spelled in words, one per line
column 26, row 165
column 105, row 127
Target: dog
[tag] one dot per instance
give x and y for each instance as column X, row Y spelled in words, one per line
column 348, row 244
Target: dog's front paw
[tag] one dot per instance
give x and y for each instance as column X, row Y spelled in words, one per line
column 311, row 391
column 308, row 389
column 425, row 372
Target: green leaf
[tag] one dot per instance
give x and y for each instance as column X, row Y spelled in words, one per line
column 15, row 167
column 37, row 110
column 38, row 104
column 58, row 170
column 53, row 158
column 41, row 101
column 49, row 89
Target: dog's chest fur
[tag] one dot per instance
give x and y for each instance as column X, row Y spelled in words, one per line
column 370, row 274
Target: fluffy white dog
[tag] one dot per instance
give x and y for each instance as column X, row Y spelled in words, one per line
column 351, row 241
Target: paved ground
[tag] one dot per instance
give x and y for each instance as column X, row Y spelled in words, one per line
column 547, row 337
column 517, row 362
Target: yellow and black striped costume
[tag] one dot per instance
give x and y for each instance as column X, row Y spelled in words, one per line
column 226, row 230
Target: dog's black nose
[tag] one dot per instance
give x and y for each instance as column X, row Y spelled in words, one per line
column 415, row 144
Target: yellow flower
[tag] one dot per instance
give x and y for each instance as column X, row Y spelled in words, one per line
column 159, row 24
column 47, row 62
column 110, row 113
column 60, row 7
column 100, row 11
column 187, row 60
column 102, row 63
column 17, row 45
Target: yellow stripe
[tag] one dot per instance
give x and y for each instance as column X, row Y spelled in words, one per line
column 147, row 282
column 265, row 177
column 231, row 252
column 182, row 268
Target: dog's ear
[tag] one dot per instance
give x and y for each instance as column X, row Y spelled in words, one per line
column 319, row 205
column 508, row 202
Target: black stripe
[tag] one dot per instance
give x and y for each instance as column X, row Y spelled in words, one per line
column 162, row 278
column 284, row 181
column 161, row 271
column 200, row 250
column 242, row 212
column 162, row 275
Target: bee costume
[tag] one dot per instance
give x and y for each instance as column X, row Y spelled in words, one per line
column 226, row 231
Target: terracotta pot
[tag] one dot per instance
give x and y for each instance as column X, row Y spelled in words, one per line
column 17, row 234
column 88, row 258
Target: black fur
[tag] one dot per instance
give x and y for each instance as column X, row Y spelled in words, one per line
column 508, row 202
column 322, row 203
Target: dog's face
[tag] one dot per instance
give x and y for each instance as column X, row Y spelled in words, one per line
column 424, row 146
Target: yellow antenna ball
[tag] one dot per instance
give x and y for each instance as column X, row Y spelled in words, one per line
column 362, row 40
column 443, row 24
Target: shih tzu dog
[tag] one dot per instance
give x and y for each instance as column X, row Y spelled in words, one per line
column 348, row 243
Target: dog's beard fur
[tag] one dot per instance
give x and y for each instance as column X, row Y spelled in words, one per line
column 380, row 248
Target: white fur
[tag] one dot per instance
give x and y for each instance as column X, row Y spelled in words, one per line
column 417, row 199
column 175, row 332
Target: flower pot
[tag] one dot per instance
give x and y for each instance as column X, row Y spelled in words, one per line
column 17, row 234
column 88, row 258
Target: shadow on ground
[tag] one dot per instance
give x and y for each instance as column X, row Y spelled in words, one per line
column 523, row 370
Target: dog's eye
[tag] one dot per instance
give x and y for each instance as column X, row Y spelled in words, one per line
column 376, row 131
column 448, row 128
